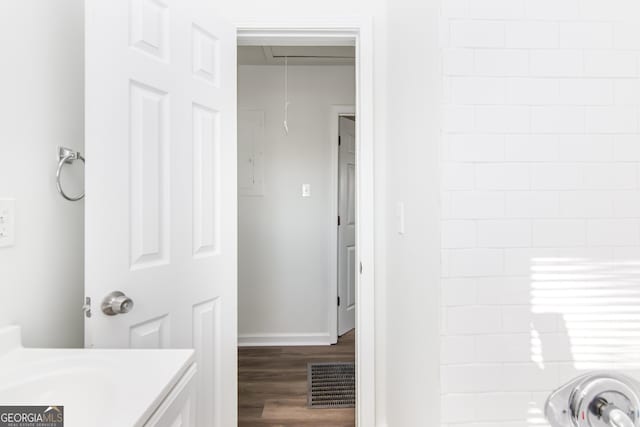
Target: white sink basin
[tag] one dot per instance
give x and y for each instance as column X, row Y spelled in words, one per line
column 96, row 387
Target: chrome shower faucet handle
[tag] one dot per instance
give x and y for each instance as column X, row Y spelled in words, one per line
column 595, row 400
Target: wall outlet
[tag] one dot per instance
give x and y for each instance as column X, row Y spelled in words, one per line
column 7, row 222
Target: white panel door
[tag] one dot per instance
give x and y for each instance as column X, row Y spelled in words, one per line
column 161, row 186
column 347, row 226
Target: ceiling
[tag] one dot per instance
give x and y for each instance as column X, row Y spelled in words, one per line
column 296, row 55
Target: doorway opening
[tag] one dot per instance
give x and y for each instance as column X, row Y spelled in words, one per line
column 296, row 38
column 296, row 232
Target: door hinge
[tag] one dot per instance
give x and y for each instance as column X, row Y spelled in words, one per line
column 338, row 301
column 86, row 307
column 339, row 140
column 338, row 219
column 360, row 268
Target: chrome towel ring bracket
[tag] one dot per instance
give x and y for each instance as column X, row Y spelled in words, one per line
column 66, row 155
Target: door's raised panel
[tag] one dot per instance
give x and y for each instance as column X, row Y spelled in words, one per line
column 206, row 56
column 351, row 276
column 149, row 176
column 153, row 333
column 351, row 194
column 206, row 182
column 207, row 344
column 149, row 30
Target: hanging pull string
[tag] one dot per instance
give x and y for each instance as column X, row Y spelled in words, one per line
column 286, row 94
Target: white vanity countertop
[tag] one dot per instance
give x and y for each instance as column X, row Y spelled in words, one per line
column 96, row 387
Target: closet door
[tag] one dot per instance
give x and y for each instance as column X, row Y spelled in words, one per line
column 347, row 227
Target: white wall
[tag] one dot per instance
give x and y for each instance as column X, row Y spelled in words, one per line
column 413, row 176
column 541, row 201
column 283, row 239
column 41, row 107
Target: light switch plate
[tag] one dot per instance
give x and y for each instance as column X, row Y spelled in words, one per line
column 306, row 190
column 7, row 222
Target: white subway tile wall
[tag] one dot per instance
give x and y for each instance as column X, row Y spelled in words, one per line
column 541, row 202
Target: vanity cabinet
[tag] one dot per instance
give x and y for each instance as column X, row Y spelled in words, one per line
column 178, row 409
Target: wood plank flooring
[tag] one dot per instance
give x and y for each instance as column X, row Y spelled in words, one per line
column 272, row 385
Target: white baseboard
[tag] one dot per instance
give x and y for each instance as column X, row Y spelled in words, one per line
column 270, row 340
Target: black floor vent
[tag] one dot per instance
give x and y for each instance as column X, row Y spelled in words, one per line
column 331, row 385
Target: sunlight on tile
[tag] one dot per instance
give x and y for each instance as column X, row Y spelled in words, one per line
column 598, row 302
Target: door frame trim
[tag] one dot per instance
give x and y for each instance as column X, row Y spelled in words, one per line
column 336, row 112
column 356, row 32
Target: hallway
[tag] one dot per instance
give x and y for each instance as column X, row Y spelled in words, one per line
column 272, row 385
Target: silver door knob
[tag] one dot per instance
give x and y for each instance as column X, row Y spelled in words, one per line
column 116, row 303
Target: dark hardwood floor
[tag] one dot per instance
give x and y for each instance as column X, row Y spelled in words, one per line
column 272, row 385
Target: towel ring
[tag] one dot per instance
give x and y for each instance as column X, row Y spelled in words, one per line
column 66, row 155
